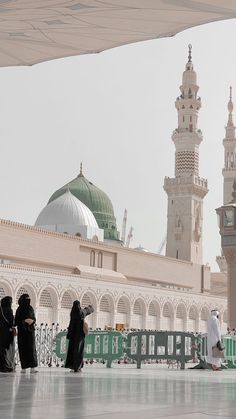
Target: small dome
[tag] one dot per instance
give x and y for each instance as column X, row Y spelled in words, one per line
column 66, row 210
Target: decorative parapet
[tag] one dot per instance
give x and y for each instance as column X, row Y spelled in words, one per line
column 190, row 180
column 45, row 232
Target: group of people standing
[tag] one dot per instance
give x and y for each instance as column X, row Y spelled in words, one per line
column 23, row 325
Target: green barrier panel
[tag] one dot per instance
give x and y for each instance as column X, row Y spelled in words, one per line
column 147, row 345
column 230, row 349
column 61, row 345
column 105, row 345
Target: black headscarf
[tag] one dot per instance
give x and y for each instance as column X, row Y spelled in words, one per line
column 6, row 302
column 76, row 311
column 6, row 310
column 24, row 311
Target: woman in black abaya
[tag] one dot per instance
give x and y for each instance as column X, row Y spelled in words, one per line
column 76, row 336
column 7, row 345
column 25, row 320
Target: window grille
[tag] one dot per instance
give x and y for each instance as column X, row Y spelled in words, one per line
column 152, row 310
column 86, row 300
column 66, row 301
column 138, row 308
column 21, row 290
column 193, row 313
column 2, row 293
column 121, row 306
column 46, row 299
column 180, row 312
column 104, row 304
column 166, row 310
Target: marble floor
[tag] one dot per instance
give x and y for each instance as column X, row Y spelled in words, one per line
column 122, row 392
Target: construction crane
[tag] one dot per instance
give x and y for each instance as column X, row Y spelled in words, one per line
column 129, row 237
column 123, row 234
column 162, row 245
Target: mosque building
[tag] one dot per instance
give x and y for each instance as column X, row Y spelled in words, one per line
column 74, row 250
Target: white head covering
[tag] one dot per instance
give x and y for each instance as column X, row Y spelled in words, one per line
column 215, row 313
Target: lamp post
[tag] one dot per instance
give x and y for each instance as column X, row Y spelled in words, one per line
column 227, row 225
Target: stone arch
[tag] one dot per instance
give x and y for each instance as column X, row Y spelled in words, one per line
column 66, row 301
column 123, row 311
column 88, row 298
column 138, row 318
column 204, row 316
column 5, row 289
column 26, row 289
column 193, row 319
column 153, row 315
column 48, row 306
column 106, row 311
column 181, row 318
column 167, row 320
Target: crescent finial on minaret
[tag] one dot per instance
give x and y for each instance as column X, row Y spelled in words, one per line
column 230, row 103
column 230, row 108
column 189, row 53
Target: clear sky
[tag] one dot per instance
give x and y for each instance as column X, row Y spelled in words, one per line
column 115, row 112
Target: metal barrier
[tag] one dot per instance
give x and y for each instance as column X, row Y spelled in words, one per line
column 230, row 349
column 153, row 345
column 45, row 337
column 109, row 346
column 104, row 345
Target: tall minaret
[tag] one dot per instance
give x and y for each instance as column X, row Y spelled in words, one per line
column 186, row 190
column 229, row 170
column 229, row 142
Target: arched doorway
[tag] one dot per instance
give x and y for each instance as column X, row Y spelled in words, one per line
column 181, row 318
column 106, row 312
column 89, row 299
column 167, row 317
column 205, row 313
column 138, row 316
column 193, row 319
column 153, row 317
column 48, row 305
column 123, row 312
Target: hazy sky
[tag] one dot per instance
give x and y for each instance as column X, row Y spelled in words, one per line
column 115, row 112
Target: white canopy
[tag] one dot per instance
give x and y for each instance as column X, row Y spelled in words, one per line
column 32, row 31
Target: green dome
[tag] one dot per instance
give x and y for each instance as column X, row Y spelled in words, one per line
column 96, row 200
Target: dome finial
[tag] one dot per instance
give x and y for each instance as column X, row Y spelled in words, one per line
column 81, row 170
column 189, row 53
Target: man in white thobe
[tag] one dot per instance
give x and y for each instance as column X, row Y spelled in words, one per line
column 213, row 336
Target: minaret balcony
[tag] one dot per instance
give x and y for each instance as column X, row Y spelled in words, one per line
column 187, row 184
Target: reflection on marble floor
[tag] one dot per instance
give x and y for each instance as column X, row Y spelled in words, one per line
column 121, row 392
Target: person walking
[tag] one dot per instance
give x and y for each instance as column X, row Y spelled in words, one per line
column 76, row 336
column 213, row 339
column 7, row 333
column 25, row 321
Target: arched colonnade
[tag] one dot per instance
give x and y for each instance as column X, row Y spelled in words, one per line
column 54, row 307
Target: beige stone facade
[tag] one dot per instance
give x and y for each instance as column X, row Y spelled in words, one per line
column 137, row 289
